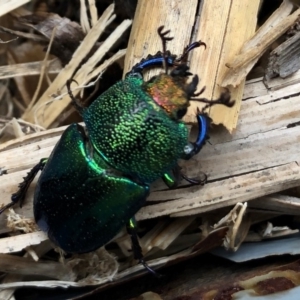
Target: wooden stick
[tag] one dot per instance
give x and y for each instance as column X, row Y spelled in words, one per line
column 25, row 266
column 241, row 64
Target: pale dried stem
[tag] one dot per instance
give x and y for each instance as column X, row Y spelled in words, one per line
column 43, row 70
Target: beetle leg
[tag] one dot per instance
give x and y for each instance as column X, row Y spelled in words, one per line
column 19, row 196
column 136, row 248
column 203, row 120
column 171, row 179
column 74, row 102
column 192, row 149
column 194, row 181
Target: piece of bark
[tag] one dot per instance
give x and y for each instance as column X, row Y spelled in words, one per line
column 209, row 277
column 68, row 34
column 279, row 83
column 19, row 242
column 224, row 26
column 28, row 69
column 280, row 203
column 285, row 59
column 241, row 64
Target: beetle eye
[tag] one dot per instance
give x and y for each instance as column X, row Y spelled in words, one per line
column 181, row 113
column 181, row 71
column 152, row 79
column 136, row 75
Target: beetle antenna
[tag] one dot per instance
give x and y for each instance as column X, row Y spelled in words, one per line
column 164, row 41
column 224, row 99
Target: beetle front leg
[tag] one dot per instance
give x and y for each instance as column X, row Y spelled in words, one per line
column 19, row 196
column 203, row 120
column 194, row 148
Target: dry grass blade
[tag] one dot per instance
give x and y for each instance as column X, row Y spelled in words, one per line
column 9, row 5
column 29, row 36
column 43, row 71
column 20, row 81
column 29, row 69
column 99, row 70
column 84, row 20
column 93, row 12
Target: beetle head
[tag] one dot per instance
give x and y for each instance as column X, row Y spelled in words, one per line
column 171, row 91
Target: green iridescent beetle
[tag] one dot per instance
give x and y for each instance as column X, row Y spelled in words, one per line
column 97, row 178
